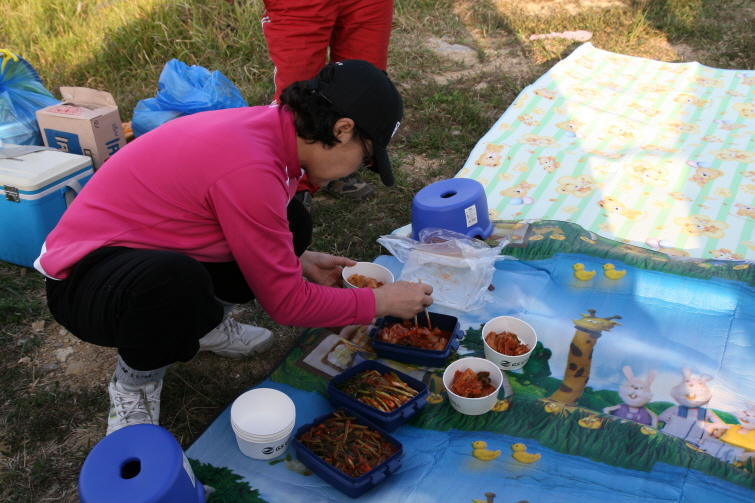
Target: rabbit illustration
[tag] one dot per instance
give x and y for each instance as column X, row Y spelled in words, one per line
column 742, row 435
column 635, row 393
column 689, row 420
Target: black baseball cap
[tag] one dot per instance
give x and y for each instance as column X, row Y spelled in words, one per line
column 364, row 93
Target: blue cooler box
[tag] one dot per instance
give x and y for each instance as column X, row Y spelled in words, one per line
column 37, row 188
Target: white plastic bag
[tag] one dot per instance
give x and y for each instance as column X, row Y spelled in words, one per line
column 459, row 268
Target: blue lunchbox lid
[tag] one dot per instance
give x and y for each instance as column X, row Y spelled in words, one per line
column 389, row 421
column 350, row 486
column 418, row 356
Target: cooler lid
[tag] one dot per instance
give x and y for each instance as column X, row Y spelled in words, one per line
column 35, row 171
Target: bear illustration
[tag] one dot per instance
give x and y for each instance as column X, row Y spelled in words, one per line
column 745, row 210
column 700, row 225
column 572, row 125
column 545, row 93
column 581, row 186
column 518, row 190
column 679, row 127
column 622, row 132
column 528, row 120
column 688, row 99
column 706, row 82
column 645, row 173
column 704, row 175
column 650, row 112
column 746, row 110
column 538, row 141
column 491, row 157
column 613, row 205
column 549, row 163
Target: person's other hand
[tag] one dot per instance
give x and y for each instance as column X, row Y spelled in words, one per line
column 402, row 299
column 324, row 269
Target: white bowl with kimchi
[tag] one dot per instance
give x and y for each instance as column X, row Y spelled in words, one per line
column 472, row 385
column 508, row 342
column 366, row 275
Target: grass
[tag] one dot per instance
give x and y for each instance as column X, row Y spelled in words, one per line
column 47, row 428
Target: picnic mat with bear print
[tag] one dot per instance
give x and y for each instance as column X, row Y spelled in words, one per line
column 658, row 155
column 640, row 389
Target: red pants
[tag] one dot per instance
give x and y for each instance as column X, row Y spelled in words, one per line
column 299, row 33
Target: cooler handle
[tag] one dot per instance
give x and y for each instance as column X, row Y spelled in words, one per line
column 71, row 188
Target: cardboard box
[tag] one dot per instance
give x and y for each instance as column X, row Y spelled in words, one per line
column 86, row 123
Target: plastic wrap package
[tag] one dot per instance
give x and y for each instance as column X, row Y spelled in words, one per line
column 185, row 90
column 21, row 95
column 459, row 268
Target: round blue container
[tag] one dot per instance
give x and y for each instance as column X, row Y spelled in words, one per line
column 457, row 204
column 139, row 464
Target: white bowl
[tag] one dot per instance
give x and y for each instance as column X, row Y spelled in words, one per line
column 473, row 406
column 368, row 269
column 516, row 326
column 262, row 420
column 263, row 450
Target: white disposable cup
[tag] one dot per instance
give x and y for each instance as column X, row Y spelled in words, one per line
column 262, row 420
column 271, row 438
column 263, row 450
column 260, row 438
column 473, row 406
column 368, row 269
column 516, row 326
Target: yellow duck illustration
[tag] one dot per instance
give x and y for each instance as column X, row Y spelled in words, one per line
column 553, row 408
column 481, row 453
column 581, row 274
column 612, row 273
column 489, row 498
column 520, row 454
column 501, row 405
column 590, row 422
column 434, row 398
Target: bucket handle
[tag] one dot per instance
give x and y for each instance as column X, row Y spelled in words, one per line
column 71, row 189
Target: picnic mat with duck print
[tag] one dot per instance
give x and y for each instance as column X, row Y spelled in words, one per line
column 640, row 389
column 658, row 155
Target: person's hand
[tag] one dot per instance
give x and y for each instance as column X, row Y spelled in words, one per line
column 324, row 269
column 402, row 299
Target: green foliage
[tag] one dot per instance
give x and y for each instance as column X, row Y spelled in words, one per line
column 288, row 372
column 229, row 487
column 537, row 365
column 473, row 342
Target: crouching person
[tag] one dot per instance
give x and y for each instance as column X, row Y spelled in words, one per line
column 199, row 214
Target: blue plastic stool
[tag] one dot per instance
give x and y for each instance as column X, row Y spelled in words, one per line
column 142, row 463
column 457, row 204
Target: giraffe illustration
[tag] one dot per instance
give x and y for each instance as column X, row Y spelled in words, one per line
column 589, row 329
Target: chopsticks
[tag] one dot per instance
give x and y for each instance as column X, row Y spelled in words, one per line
column 416, row 323
column 427, row 314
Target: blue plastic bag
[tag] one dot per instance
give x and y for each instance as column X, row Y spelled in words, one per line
column 185, row 90
column 21, row 95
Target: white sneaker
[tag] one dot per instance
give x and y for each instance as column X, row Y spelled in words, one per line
column 133, row 404
column 234, row 340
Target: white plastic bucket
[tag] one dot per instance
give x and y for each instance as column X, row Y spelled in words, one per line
column 263, row 420
column 473, row 406
column 368, row 269
column 523, row 331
